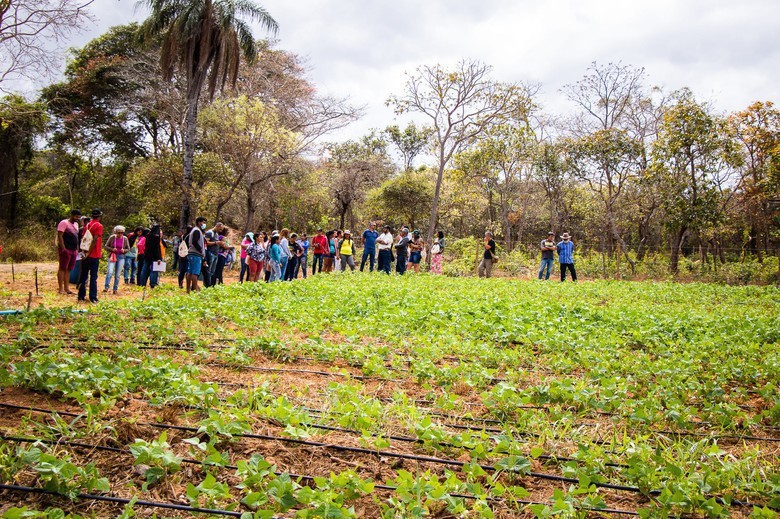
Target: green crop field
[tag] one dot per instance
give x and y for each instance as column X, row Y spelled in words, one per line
column 372, row 396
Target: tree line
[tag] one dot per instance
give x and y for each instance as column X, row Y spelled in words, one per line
column 188, row 113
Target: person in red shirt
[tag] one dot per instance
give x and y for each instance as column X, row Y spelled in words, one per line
column 320, row 245
column 91, row 262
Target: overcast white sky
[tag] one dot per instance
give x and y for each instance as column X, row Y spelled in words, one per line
column 726, row 51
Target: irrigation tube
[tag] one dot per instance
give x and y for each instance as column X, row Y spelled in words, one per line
column 124, row 501
column 360, row 450
column 296, row 476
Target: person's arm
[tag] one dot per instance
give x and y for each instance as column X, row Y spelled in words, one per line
column 60, row 240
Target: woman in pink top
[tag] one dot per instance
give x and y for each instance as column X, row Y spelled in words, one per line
column 246, row 242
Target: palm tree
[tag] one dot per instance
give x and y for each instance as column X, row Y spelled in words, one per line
column 205, row 40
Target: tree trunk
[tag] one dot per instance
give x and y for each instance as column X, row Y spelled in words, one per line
column 250, row 208
column 436, row 194
column 674, row 258
column 190, row 121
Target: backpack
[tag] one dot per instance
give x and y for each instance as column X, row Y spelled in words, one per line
column 184, row 250
column 86, row 240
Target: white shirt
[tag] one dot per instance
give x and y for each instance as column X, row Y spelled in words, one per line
column 384, row 237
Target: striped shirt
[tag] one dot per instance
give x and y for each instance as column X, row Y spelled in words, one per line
column 566, row 252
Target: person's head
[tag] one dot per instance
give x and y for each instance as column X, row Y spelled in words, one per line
column 75, row 215
column 347, row 235
column 259, row 238
column 119, row 230
column 264, row 235
column 550, row 235
column 303, row 236
column 274, row 239
column 339, row 234
column 488, row 235
column 372, row 226
column 146, row 232
column 330, row 234
column 440, row 234
column 565, row 236
column 319, row 231
column 188, row 230
column 180, row 233
column 386, row 228
column 97, row 214
column 404, row 231
column 285, row 232
column 219, row 227
column 200, row 223
column 155, row 230
column 293, row 237
column 138, row 231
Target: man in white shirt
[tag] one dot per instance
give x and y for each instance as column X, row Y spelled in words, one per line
column 384, row 245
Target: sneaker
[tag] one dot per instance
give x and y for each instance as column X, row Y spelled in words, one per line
column 114, row 292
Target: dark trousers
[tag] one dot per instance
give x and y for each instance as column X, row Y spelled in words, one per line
column 292, row 268
column 317, row 263
column 244, row 270
column 148, row 274
column 176, row 259
column 89, row 267
column 569, row 266
column 218, row 272
column 367, row 253
column 385, row 262
column 182, row 271
column 400, row 263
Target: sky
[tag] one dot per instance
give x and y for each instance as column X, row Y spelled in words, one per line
column 727, row 52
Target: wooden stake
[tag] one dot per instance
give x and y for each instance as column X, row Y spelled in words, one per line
column 36, row 281
column 29, row 301
column 13, row 273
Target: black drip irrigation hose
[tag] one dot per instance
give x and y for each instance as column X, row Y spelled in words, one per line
column 292, row 475
column 125, row 501
column 412, row 457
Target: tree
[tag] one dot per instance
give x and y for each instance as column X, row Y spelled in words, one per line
column 757, row 129
column 253, row 145
column 607, row 160
column 409, row 142
column 460, row 103
column 28, row 31
column 353, row 168
column 20, row 123
column 405, row 198
column 692, row 154
column 205, row 39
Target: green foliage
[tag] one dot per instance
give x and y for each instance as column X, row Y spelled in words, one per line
column 60, row 475
column 158, row 456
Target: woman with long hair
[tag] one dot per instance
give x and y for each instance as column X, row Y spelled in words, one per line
column 154, row 251
column 255, row 256
column 437, row 253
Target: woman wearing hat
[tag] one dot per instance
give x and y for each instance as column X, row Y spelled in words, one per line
column 347, row 252
column 117, row 246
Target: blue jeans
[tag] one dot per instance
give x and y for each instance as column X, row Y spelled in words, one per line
column 283, row 266
column 317, row 263
column 276, row 272
column 244, row 271
column 89, row 268
column 129, row 269
column 148, row 274
column 548, row 264
column 367, row 254
column 114, row 269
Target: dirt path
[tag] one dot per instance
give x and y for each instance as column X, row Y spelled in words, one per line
column 18, row 281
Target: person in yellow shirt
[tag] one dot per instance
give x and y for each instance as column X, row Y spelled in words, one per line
column 347, row 251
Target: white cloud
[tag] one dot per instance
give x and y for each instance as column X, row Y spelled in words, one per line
column 724, row 51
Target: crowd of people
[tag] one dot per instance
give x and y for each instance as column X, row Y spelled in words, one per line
column 201, row 255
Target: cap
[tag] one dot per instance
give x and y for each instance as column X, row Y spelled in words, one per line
column 96, row 212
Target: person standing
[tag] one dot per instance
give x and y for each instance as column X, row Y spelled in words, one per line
column 213, row 248
column 547, row 247
column 183, row 260
column 284, row 244
column 275, row 259
column 347, row 252
column 437, row 253
column 222, row 257
column 330, row 255
column 196, row 244
column 255, row 256
column 117, row 246
column 154, row 252
column 141, row 257
column 488, row 257
column 416, row 247
column 566, row 256
column 295, row 258
column 369, row 246
column 130, row 258
column 91, row 261
column 175, row 247
column 303, row 262
column 402, row 251
column 384, row 244
column 320, row 249
column 249, row 238
column 67, row 249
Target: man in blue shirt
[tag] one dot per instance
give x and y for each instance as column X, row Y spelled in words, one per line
column 369, row 246
column 566, row 256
